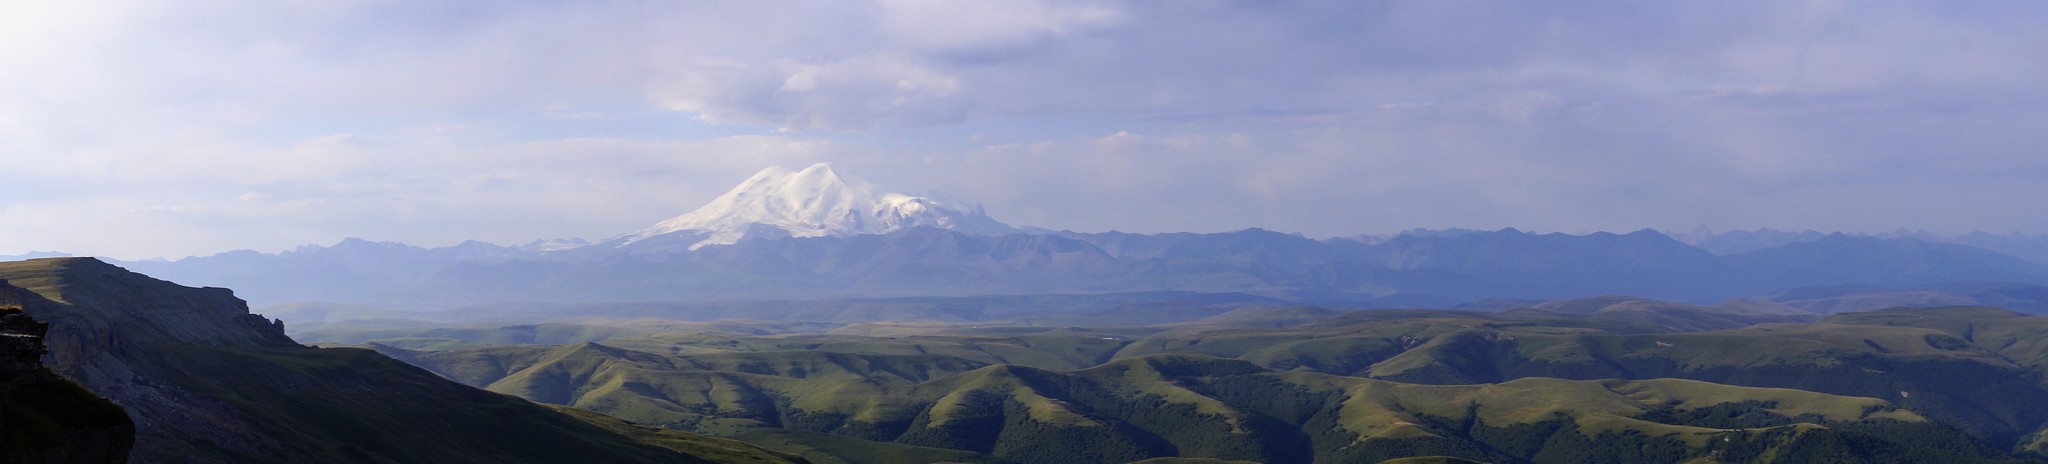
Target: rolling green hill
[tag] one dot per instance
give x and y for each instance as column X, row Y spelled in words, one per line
column 1052, row 348
column 823, row 448
column 854, row 383
column 715, row 393
column 423, row 334
column 1155, row 406
column 1914, row 366
column 1208, row 407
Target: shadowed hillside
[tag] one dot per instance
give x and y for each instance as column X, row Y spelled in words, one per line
column 914, row 384
column 208, row 382
column 45, row 418
column 1185, row 406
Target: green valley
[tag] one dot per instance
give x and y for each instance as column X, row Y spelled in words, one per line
column 1610, row 378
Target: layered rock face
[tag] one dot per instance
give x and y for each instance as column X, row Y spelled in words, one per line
column 45, row 418
column 112, row 330
column 21, row 341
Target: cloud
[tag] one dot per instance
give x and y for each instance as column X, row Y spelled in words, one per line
column 397, row 187
column 856, row 93
column 941, row 27
column 228, row 124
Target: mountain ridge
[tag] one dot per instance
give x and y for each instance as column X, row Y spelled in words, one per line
column 207, row 381
column 819, row 232
column 1432, row 271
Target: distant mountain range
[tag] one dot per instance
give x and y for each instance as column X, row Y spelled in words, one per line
column 820, row 233
column 2029, row 247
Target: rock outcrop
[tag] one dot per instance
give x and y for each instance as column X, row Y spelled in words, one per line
column 45, row 418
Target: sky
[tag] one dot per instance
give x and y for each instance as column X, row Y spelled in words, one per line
column 138, row 129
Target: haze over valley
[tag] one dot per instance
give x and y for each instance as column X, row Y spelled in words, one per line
column 821, row 232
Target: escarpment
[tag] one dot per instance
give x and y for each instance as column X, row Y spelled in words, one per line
column 45, row 418
column 206, row 381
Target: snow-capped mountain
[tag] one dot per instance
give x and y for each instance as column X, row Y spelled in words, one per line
column 815, row 202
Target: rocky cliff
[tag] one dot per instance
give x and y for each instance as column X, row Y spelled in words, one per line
column 45, row 418
column 206, row 381
column 119, row 333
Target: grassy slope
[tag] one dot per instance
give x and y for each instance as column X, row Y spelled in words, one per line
column 719, row 450
column 42, row 414
column 1194, row 404
column 1059, row 348
column 1907, row 356
column 1135, row 408
column 1351, row 343
column 720, row 392
column 1872, row 357
column 1191, row 461
column 420, row 334
column 357, row 405
column 1429, row 460
column 823, row 448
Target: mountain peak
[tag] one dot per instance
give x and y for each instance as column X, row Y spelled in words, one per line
column 818, row 201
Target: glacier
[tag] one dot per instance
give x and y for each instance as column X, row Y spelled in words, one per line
column 816, row 201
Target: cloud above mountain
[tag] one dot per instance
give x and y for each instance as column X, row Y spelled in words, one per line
column 144, row 128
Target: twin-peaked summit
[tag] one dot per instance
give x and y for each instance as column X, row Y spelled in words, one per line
column 817, row 201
